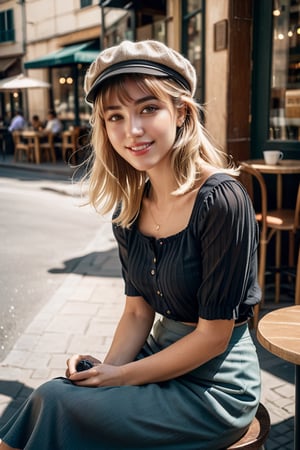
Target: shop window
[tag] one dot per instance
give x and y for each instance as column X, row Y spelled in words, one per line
column 84, row 3
column 84, row 108
column 68, row 82
column 193, row 40
column 134, row 21
column 120, row 29
column 193, row 5
column 7, row 31
column 284, row 119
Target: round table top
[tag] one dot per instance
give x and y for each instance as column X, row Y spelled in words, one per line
column 285, row 166
column 279, row 332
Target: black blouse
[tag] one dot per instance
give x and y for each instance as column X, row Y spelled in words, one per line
column 209, row 269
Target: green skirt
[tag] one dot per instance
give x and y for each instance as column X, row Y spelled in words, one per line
column 208, row 408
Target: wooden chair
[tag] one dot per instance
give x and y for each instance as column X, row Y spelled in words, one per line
column 47, row 146
column 294, row 272
column 22, row 148
column 257, row 433
column 70, row 144
column 272, row 223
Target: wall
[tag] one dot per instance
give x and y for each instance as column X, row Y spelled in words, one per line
column 216, row 75
column 46, row 20
column 50, row 26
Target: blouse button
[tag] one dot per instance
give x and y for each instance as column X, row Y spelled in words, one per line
column 154, row 260
column 152, row 272
column 158, row 292
column 161, row 243
column 168, row 312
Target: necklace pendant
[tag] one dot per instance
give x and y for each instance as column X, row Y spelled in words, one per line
column 157, row 227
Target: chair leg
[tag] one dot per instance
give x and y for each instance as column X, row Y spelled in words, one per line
column 53, row 156
column 255, row 318
column 291, row 249
column 297, row 283
column 64, row 154
column 277, row 264
column 262, row 268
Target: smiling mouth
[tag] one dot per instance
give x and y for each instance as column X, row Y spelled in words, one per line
column 140, row 148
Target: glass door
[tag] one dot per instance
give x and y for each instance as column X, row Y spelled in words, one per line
column 275, row 109
column 284, row 118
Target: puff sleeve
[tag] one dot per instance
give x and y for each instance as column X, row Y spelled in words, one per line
column 228, row 248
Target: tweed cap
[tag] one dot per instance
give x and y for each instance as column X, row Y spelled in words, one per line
column 148, row 57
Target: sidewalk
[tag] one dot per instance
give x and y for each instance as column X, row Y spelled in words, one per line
column 60, row 168
column 80, row 318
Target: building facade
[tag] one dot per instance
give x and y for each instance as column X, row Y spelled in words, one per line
column 246, row 54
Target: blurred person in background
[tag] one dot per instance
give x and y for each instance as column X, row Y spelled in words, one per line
column 54, row 125
column 18, row 122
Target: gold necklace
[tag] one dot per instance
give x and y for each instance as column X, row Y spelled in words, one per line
column 157, row 225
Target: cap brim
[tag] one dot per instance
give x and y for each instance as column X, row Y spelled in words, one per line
column 132, row 67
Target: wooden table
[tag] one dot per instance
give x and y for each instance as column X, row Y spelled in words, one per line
column 284, row 167
column 279, row 332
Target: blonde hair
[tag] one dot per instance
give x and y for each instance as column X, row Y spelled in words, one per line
column 115, row 183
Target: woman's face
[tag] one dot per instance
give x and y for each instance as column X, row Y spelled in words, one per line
column 142, row 130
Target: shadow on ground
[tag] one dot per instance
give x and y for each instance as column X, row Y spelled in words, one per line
column 18, row 392
column 281, row 436
column 98, row 264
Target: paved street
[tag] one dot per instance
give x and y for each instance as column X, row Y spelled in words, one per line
column 43, row 231
column 80, row 317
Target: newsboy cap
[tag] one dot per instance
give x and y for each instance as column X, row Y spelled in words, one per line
column 148, row 57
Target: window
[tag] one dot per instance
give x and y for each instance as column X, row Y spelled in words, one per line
column 133, row 21
column 84, row 3
column 284, row 117
column 193, row 40
column 7, row 32
column 64, row 90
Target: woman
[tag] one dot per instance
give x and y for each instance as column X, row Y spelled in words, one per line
column 187, row 241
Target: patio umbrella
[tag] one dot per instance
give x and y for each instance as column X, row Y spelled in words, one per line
column 21, row 82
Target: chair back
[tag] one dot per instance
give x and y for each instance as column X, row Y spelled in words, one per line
column 248, row 175
column 16, row 138
column 49, row 138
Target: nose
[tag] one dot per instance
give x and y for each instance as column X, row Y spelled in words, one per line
column 134, row 126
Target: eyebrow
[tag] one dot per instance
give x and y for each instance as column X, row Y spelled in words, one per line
column 136, row 102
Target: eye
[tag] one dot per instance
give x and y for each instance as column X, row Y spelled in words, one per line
column 149, row 109
column 113, row 118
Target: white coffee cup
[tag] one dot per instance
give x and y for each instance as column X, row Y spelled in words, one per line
column 272, row 156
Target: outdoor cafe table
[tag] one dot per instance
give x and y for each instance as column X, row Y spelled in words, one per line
column 284, row 167
column 279, row 333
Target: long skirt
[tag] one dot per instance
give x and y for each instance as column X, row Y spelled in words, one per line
column 206, row 409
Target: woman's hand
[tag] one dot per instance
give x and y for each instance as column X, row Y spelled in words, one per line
column 98, row 375
column 75, row 359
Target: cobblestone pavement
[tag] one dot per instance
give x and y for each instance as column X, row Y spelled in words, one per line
column 80, row 318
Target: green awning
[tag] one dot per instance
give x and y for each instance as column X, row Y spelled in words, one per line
column 72, row 54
